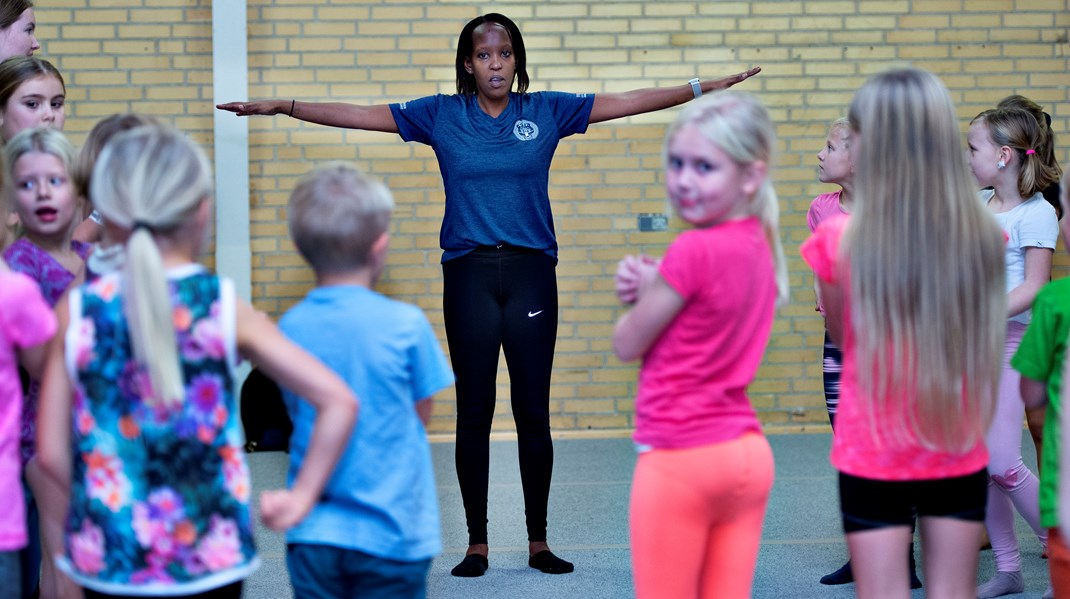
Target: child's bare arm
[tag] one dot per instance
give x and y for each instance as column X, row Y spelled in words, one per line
column 1034, row 393
column 33, row 359
column 336, row 411
column 832, row 298
column 423, row 410
column 1037, row 274
column 54, row 407
column 636, row 331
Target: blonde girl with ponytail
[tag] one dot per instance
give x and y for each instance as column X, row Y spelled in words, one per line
column 139, row 419
column 700, row 320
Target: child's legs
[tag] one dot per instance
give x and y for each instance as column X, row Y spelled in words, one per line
column 1059, row 562
column 951, row 514
column 879, row 561
column 530, row 334
column 10, row 575
column 1009, row 475
column 472, row 317
column 878, row 518
column 831, row 365
column 695, row 531
column 949, row 552
column 325, row 572
column 734, row 541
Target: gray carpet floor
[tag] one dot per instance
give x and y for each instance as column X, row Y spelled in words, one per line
column 801, row 539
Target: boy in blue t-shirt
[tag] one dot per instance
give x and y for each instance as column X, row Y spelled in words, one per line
column 375, row 529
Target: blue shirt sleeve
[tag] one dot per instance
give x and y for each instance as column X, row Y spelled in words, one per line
column 431, row 372
column 571, row 111
column 416, row 118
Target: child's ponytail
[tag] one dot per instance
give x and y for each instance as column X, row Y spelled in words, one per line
column 151, row 181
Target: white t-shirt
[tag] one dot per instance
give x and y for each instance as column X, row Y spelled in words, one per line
column 1031, row 224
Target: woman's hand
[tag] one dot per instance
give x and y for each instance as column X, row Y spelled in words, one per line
column 261, row 108
column 713, row 85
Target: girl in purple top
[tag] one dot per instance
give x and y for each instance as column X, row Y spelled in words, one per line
column 494, row 148
column 38, row 162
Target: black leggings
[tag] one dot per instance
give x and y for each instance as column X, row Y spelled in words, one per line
column 494, row 299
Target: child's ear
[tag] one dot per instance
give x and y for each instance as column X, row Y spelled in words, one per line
column 380, row 245
column 378, row 255
column 1006, row 154
column 753, row 177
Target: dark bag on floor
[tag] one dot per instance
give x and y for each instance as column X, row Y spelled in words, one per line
column 263, row 414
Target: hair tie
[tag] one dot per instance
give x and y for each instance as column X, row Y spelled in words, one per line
column 1030, row 151
column 140, row 224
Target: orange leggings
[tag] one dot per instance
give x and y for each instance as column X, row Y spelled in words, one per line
column 696, row 518
column 1059, row 562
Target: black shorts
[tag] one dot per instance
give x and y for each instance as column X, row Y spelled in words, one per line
column 869, row 504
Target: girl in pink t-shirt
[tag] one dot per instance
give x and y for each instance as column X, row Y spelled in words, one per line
column 700, row 321
column 26, row 324
column 912, row 285
column 834, row 166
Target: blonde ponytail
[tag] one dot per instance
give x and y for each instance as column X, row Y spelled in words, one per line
column 151, row 180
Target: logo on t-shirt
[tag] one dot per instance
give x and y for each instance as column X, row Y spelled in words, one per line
column 525, row 130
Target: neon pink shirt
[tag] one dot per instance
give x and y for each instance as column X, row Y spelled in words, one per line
column 858, row 448
column 25, row 321
column 693, row 381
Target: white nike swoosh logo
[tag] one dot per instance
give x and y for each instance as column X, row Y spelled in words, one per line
column 530, row 314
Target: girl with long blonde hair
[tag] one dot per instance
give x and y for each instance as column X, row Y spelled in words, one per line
column 912, row 284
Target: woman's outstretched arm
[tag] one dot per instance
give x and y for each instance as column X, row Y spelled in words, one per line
column 614, row 106
column 332, row 114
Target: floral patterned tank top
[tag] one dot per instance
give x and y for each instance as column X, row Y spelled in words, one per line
column 159, row 493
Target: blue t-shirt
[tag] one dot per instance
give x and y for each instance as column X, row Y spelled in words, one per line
column 381, row 498
column 495, row 170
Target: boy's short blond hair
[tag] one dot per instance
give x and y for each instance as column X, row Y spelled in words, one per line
column 336, row 213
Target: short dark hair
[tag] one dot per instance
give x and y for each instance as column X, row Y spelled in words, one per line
column 466, row 82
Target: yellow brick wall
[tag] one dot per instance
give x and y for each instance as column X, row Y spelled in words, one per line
column 154, row 56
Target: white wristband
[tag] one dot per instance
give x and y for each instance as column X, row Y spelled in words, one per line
column 695, row 87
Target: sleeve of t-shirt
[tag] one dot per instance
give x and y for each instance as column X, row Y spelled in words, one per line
column 811, row 215
column 821, row 250
column 431, row 372
column 1036, row 352
column 677, row 266
column 571, row 111
column 26, row 316
column 1039, row 227
column 416, row 118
